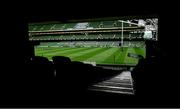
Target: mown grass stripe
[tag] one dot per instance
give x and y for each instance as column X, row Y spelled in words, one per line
column 118, row 57
column 122, row 55
column 54, row 49
column 99, row 58
column 112, row 57
column 89, row 54
column 58, row 52
column 42, row 49
column 65, row 53
column 85, row 52
column 95, row 54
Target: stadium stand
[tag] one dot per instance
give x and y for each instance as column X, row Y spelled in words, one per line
column 151, row 77
column 89, row 36
column 104, row 34
column 95, row 24
column 74, row 71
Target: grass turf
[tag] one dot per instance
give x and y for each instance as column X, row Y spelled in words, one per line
column 92, row 54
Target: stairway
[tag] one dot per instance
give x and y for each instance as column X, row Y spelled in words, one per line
column 122, row 84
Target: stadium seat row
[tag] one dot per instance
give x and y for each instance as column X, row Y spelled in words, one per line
column 60, row 26
column 88, row 36
column 71, row 77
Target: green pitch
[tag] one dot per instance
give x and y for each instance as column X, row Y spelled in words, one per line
column 92, row 54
